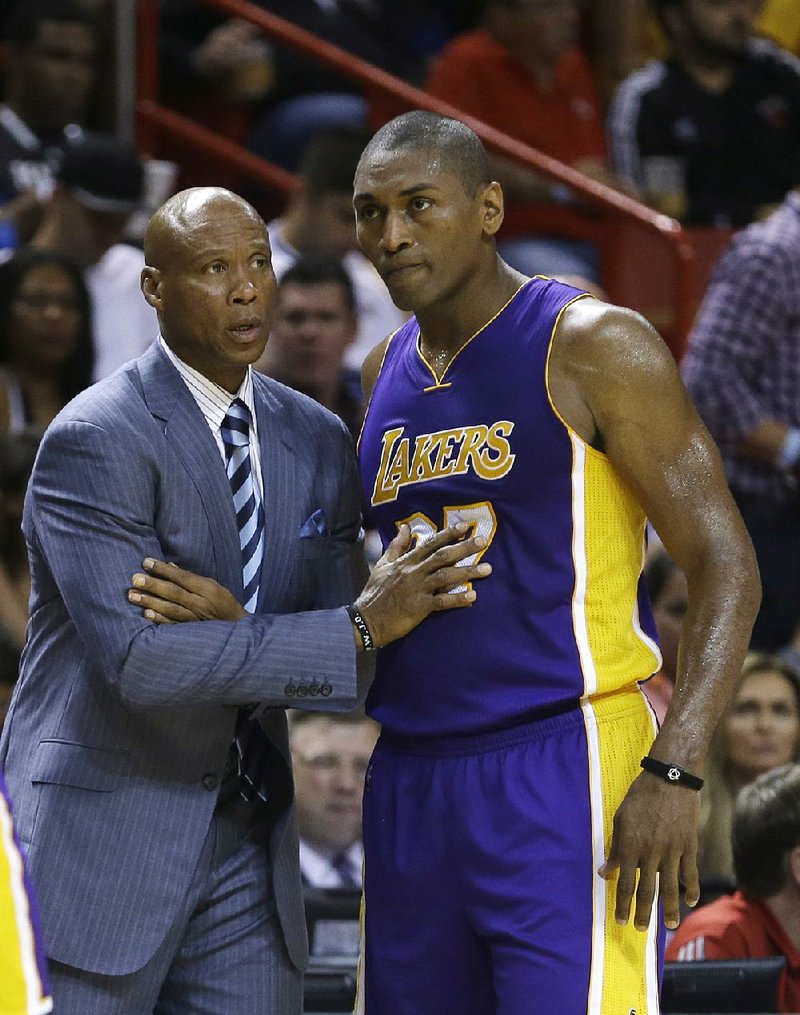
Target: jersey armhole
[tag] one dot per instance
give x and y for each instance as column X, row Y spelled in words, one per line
column 572, row 433
column 389, row 341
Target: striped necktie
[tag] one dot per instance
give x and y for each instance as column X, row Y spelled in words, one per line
column 235, row 430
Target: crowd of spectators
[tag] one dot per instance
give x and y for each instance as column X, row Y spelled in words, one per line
column 761, row 918
column 759, row 731
column 710, row 134
column 314, row 325
column 693, row 106
column 330, row 755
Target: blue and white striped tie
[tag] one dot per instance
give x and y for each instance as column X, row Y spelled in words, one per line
column 235, row 432
column 250, row 740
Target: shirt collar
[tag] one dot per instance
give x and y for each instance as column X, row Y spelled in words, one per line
column 316, row 860
column 212, row 399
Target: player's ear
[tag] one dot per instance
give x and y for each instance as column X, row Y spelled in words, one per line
column 151, row 286
column 492, row 208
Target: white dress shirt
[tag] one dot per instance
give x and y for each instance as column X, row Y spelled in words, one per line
column 214, row 401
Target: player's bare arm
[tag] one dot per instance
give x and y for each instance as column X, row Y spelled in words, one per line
column 616, row 384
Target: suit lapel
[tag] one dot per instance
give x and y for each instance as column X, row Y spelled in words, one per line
column 278, row 473
column 188, row 433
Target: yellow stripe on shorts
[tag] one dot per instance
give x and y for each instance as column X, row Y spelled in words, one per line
column 624, row 971
column 21, row 990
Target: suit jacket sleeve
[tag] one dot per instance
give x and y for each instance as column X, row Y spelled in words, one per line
column 92, row 513
column 347, row 572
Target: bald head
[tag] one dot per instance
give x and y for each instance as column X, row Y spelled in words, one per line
column 458, row 149
column 172, row 226
column 208, row 275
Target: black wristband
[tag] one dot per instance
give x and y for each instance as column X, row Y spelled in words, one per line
column 671, row 773
column 361, row 626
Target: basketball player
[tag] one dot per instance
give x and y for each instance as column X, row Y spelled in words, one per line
column 23, row 979
column 509, row 828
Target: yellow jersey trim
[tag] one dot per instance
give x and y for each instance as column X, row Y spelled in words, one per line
column 389, row 341
column 438, row 380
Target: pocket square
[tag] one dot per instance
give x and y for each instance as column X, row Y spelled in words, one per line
column 314, row 525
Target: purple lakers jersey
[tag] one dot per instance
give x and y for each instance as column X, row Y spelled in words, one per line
column 563, row 616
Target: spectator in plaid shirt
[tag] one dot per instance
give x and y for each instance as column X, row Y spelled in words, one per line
column 742, row 367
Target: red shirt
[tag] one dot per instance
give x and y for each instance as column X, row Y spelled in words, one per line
column 479, row 76
column 737, row 927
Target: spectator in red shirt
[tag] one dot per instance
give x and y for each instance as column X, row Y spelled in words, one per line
column 523, row 73
column 762, row 918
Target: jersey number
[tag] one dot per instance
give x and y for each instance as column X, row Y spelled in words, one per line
column 480, row 517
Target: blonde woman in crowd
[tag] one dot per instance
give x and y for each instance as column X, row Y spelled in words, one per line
column 759, row 731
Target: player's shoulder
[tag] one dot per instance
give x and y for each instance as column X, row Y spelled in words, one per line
column 595, row 339
column 590, row 323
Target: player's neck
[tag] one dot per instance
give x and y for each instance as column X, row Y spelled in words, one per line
column 447, row 325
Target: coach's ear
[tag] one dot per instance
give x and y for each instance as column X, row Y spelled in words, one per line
column 492, row 208
column 151, row 286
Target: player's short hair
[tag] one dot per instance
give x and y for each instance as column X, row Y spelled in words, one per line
column 459, row 147
column 766, row 828
column 329, row 161
column 23, row 19
column 317, row 269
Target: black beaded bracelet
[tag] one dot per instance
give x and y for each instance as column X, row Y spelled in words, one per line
column 361, row 626
column 671, row 773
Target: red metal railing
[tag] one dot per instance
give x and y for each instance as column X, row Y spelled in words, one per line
column 153, row 119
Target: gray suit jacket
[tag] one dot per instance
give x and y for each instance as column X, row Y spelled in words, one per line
column 119, row 729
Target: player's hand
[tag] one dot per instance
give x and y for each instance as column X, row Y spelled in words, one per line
column 168, row 594
column 407, row 584
column 655, row 835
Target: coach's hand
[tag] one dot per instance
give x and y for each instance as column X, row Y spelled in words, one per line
column 168, row 595
column 408, row 583
column 655, row 835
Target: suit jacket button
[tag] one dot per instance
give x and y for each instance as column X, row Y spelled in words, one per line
column 290, row 690
column 314, row 689
column 326, row 690
column 210, row 781
column 302, row 690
